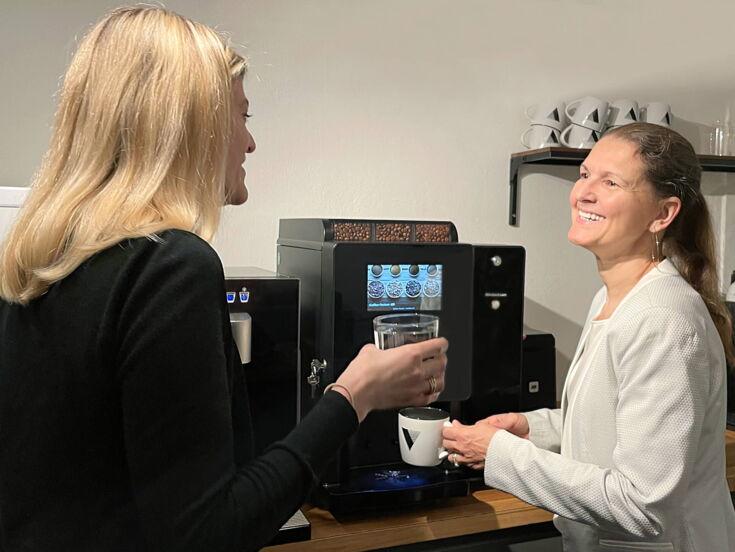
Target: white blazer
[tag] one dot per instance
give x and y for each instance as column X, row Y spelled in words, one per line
column 644, row 468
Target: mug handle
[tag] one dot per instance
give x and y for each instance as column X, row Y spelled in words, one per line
column 529, row 108
column 523, row 138
column 564, row 135
column 442, row 451
column 573, row 104
column 607, row 117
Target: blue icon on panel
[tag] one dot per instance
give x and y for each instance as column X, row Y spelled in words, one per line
column 230, row 296
column 244, row 296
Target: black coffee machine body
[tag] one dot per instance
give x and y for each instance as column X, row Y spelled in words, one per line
column 354, row 270
column 264, row 314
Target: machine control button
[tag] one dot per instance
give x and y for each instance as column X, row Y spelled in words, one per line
column 231, row 296
column 495, row 304
column 497, row 260
column 533, row 386
column 244, row 296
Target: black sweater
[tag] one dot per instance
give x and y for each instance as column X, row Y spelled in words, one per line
column 124, row 421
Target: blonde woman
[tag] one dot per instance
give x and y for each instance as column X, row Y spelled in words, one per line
column 635, row 457
column 124, row 416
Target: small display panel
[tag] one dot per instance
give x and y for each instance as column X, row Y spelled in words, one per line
column 404, row 287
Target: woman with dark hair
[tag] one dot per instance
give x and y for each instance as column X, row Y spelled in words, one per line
column 635, row 457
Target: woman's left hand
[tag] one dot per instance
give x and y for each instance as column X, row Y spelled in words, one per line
column 467, row 444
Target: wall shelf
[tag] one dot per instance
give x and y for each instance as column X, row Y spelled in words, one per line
column 571, row 157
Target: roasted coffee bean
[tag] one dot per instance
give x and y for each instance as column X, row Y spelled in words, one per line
column 392, row 232
column 351, row 231
column 432, row 233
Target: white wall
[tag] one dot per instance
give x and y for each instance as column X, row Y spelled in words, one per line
column 410, row 109
column 11, row 198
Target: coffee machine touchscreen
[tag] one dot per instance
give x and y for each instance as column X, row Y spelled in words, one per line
column 404, row 287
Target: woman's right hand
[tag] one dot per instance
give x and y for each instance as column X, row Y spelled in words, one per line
column 513, row 422
column 392, row 378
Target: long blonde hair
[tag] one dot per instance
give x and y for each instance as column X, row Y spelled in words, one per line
column 139, row 146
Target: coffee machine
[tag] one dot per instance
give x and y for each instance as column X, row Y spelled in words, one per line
column 264, row 315
column 351, row 271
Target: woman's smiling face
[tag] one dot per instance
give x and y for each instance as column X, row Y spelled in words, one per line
column 241, row 144
column 612, row 204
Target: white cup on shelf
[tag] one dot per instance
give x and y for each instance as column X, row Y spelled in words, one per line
column 589, row 112
column 658, row 113
column 548, row 113
column 623, row 112
column 579, row 137
column 540, row 136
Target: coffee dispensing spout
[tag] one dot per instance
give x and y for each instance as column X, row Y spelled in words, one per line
column 242, row 331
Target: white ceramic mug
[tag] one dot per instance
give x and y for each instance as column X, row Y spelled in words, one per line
column 420, row 435
column 623, row 112
column 540, row 136
column 575, row 136
column 588, row 112
column 658, row 113
column 548, row 113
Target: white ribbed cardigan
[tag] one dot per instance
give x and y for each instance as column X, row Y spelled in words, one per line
column 644, row 468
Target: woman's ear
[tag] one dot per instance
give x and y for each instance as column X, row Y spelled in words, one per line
column 668, row 208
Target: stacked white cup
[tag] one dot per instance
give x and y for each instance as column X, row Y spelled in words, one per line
column 658, row 113
column 547, row 119
column 588, row 118
column 623, row 112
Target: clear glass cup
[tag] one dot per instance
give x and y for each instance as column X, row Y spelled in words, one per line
column 721, row 139
column 394, row 330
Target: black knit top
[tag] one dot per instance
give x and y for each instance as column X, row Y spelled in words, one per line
column 124, row 420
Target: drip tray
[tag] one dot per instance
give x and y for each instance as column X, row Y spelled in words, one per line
column 395, row 485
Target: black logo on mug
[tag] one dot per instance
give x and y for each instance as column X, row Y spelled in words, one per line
column 410, row 437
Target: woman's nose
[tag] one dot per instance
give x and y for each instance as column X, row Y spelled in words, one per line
column 584, row 190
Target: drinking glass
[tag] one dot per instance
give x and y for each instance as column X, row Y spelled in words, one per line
column 394, row 330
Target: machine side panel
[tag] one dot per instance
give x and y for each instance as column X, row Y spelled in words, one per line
column 306, row 265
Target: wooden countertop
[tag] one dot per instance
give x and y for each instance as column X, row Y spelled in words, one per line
column 484, row 510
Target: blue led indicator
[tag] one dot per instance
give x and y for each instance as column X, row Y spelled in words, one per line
column 244, row 296
column 230, row 296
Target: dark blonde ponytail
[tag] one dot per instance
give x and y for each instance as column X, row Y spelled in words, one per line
column 673, row 169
